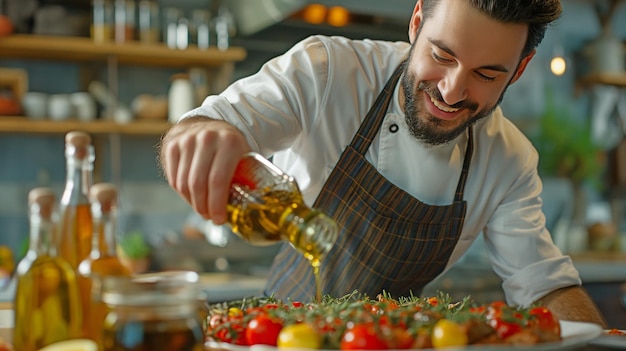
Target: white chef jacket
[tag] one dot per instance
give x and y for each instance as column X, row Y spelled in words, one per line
column 305, row 106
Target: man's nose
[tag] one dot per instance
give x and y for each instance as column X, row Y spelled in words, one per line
column 453, row 87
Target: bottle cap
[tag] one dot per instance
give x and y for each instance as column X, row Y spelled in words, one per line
column 44, row 199
column 78, row 139
column 104, row 194
column 78, row 145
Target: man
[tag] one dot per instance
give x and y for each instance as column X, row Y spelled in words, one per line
column 403, row 145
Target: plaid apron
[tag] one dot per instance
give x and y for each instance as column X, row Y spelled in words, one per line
column 388, row 240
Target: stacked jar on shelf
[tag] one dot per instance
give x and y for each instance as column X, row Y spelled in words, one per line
column 121, row 21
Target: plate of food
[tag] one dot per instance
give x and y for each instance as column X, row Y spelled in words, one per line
column 613, row 338
column 356, row 322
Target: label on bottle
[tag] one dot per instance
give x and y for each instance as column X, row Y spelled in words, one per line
column 244, row 175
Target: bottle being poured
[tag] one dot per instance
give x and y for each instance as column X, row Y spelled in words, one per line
column 266, row 207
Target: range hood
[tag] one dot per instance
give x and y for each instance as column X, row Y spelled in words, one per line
column 254, row 15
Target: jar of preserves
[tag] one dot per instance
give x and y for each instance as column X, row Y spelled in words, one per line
column 154, row 311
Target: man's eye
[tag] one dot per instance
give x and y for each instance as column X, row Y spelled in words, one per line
column 485, row 77
column 440, row 59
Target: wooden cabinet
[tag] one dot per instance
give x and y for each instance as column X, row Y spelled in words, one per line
column 218, row 63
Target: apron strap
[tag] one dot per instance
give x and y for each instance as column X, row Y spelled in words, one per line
column 373, row 120
column 460, row 188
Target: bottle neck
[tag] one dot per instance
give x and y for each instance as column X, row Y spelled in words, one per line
column 79, row 174
column 104, row 242
column 311, row 232
column 42, row 238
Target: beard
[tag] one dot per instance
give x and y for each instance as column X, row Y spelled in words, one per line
column 426, row 127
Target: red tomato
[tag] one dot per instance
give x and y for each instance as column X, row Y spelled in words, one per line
column 543, row 318
column 498, row 304
column 233, row 334
column 504, row 329
column 263, row 329
column 505, row 320
column 362, row 337
column 400, row 339
column 478, row 309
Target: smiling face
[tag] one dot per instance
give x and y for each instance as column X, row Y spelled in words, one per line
column 460, row 64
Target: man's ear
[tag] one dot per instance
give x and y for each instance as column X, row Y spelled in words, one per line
column 416, row 20
column 522, row 66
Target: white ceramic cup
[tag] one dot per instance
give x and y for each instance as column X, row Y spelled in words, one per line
column 60, row 107
column 35, row 104
column 84, row 106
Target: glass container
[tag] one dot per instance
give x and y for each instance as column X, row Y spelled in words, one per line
column 155, row 311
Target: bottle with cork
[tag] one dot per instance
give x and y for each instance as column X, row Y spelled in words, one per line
column 76, row 220
column 47, row 303
column 102, row 261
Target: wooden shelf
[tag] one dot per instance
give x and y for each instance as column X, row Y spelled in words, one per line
column 84, row 49
column 617, row 79
column 20, row 124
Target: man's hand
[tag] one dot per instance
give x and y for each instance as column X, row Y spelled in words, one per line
column 573, row 304
column 199, row 156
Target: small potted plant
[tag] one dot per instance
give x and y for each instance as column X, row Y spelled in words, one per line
column 134, row 252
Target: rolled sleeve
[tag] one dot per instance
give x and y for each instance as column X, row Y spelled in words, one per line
column 539, row 279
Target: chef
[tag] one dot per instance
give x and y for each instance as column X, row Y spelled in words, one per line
column 404, row 145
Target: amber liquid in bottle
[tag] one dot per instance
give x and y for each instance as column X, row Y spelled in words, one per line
column 76, row 219
column 266, row 206
column 47, row 303
column 102, row 261
column 77, row 225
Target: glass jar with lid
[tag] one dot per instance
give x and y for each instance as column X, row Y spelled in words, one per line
column 154, row 311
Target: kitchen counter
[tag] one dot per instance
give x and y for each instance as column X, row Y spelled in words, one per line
column 220, row 287
column 599, row 267
column 217, row 287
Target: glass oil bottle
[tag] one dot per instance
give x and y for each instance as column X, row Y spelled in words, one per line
column 266, row 206
column 47, row 304
column 76, row 220
column 102, row 261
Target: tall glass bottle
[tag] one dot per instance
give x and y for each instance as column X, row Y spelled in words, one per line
column 266, row 206
column 76, row 220
column 102, row 261
column 47, row 304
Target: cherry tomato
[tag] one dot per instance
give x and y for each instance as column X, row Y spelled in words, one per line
column 263, row 329
column 505, row 320
column 362, row 337
column 433, row 301
column 447, row 333
column 504, row 329
column 543, row 318
column 400, row 339
column 298, row 336
column 231, row 333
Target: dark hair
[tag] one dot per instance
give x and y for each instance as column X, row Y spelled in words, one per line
column 538, row 14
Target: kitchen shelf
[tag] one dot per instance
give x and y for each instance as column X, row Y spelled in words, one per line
column 79, row 49
column 616, row 79
column 21, row 124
